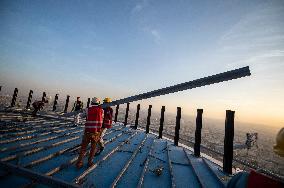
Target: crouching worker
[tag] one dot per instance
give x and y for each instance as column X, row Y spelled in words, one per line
column 107, row 123
column 38, row 105
column 93, row 126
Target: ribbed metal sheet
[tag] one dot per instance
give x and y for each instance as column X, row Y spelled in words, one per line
column 42, row 152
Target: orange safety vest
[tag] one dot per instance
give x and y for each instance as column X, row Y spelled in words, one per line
column 107, row 117
column 94, row 119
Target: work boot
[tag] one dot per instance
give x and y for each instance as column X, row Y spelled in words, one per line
column 79, row 164
column 90, row 163
column 100, row 151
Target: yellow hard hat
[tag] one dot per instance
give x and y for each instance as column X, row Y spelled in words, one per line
column 107, row 100
column 279, row 147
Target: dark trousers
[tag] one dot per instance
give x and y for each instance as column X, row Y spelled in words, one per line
column 35, row 111
column 87, row 138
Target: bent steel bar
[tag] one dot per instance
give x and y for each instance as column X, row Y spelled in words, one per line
column 225, row 76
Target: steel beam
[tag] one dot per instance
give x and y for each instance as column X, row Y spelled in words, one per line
column 217, row 78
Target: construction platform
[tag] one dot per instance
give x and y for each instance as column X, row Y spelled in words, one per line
column 42, row 151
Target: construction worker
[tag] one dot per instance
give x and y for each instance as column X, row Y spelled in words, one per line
column 279, row 147
column 257, row 179
column 93, row 126
column 107, row 123
column 253, row 179
column 38, row 105
column 78, row 105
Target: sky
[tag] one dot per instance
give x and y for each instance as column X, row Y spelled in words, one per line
column 121, row 48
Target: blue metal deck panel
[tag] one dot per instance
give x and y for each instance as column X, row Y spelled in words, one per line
column 107, row 171
column 70, row 173
column 159, row 158
column 57, row 161
column 26, row 160
column 132, row 174
column 206, row 178
column 38, row 136
column 182, row 171
column 218, row 171
column 130, row 157
column 20, row 150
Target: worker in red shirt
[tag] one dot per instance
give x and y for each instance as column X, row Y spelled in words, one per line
column 107, row 123
column 93, row 127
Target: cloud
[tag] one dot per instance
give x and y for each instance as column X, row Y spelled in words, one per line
column 142, row 23
column 139, row 6
column 93, row 48
column 256, row 39
column 266, row 20
column 259, row 58
column 154, row 33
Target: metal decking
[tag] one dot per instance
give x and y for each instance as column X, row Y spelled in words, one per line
column 41, row 152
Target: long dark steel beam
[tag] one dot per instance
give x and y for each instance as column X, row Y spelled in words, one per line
column 217, row 78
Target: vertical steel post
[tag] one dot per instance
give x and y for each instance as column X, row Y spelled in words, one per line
column 43, row 97
column 14, row 97
column 0, row 88
column 148, row 119
column 55, row 102
column 177, row 128
column 66, row 104
column 228, row 142
column 88, row 102
column 198, row 132
column 126, row 114
column 137, row 116
column 162, row 119
column 29, row 99
column 116, row 113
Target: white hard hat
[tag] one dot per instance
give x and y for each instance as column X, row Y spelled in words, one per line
column 95, row 100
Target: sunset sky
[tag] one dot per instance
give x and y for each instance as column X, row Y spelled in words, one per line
column 121, row 48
